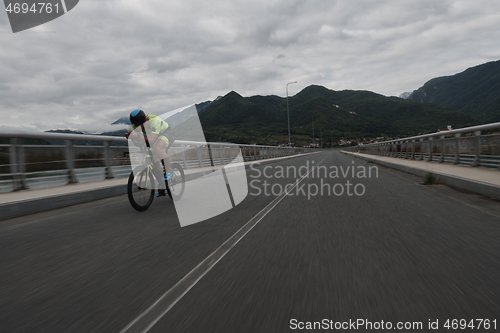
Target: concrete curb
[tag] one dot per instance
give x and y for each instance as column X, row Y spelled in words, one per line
column 31, row 206
column 488, row 190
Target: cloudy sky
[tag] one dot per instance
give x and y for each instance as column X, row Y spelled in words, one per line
column 105, row 58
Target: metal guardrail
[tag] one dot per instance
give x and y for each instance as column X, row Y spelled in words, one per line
column 25, row 166
column 468, row 146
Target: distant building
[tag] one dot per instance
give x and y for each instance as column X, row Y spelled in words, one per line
column 448, row 128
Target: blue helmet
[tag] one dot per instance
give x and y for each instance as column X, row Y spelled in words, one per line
column 137, row 117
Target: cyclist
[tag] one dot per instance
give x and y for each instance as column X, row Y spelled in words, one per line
column 157, row 129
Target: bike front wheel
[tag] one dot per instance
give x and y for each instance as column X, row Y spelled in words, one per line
column 141, row 189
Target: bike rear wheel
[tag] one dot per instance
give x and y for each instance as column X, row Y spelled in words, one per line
column 175, row 186
column 141, row 189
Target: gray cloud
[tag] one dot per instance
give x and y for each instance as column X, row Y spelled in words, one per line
column 105, row 58
column 166, row 66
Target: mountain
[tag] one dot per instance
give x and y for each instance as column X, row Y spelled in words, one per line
column 122, row 120
column 331, row 114
column 405, row 95
column 235, row 109
column 475, row 91
column 236, row 119
column 200, row 107
column 126, row 120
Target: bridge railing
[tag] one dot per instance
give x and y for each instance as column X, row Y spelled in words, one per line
column 473, row 146
column 38, row 160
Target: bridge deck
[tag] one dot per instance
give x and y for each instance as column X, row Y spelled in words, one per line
column 401, row 252
column 13, row 204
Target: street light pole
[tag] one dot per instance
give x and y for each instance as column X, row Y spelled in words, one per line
column 314, row 139
column 288, row 113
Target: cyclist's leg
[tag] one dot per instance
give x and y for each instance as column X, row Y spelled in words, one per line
column 158, row 174
column 159, row 149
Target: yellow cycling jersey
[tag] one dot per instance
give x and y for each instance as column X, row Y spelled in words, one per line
column 155, row 124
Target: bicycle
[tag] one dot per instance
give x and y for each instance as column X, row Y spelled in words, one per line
column 141, row 183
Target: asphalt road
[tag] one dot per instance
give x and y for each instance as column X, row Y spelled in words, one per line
column 396, row 251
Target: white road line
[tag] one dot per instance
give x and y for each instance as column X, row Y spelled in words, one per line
column 146, row 320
